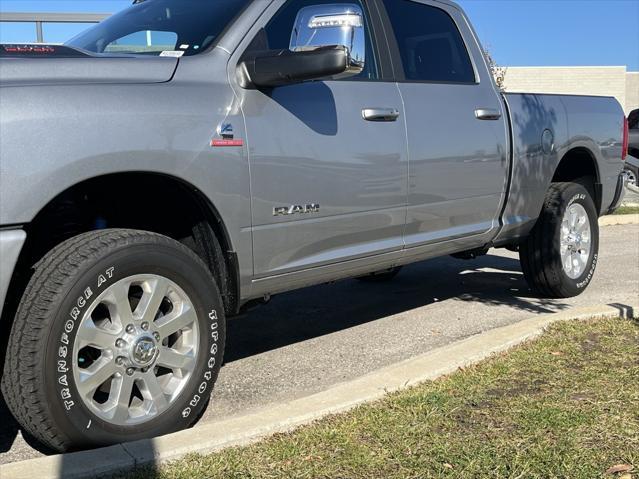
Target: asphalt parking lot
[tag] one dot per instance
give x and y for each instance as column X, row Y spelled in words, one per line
column 631, row 197
column 305, row 341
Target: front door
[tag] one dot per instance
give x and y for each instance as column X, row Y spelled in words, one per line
column 328, row 184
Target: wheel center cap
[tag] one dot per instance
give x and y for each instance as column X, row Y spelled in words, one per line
column 574, row 240
column 143, row 351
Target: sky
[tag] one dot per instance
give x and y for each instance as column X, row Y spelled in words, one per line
column 516, row 32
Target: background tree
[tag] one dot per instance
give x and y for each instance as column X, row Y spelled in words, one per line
column 499, row 73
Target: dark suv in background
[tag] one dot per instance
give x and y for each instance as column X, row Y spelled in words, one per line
column 632, row 161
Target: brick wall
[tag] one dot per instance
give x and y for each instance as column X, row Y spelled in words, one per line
column 606, row 81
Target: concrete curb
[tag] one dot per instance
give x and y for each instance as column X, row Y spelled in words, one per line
column 613, row 220
column 213, row 436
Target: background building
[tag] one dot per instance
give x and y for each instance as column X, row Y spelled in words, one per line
column 608, row 81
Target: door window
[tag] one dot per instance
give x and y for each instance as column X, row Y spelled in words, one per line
column 279, row 30
column 430, row 44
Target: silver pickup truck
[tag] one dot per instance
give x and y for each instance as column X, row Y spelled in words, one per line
column 184, row 159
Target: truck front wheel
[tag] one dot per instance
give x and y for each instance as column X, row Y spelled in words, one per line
column 119, row 336
column 559, row 257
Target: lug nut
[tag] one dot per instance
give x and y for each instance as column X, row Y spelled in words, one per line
column 119, row 360
column 130, row 329
column 156, row 335
column 120, row 343
column 130, row 371
column 145, row 326
column 145, row 370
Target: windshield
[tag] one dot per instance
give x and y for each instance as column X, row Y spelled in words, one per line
column 161, row 27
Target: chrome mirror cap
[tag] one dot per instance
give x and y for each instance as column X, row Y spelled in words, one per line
column 333, row 24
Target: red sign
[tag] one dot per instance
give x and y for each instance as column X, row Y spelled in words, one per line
column 225, row 143
column 28, row 49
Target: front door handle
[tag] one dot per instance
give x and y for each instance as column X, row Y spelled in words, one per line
column 487, row 114
column 380, row 114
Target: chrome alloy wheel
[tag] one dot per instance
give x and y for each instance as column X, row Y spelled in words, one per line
column 575, row 241
column 135, row 349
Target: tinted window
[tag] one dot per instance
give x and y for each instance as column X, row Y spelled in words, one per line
column 279, row 30
column 430, row 45
column 190, row 26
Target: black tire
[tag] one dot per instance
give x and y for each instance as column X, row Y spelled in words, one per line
column 38, row 381
column 540, row 253
column 380, row 276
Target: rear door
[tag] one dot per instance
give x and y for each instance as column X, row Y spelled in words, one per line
column 328, row 184
column 457, row 135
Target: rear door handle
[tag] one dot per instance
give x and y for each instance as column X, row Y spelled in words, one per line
column 487, row 114
column 380, row 114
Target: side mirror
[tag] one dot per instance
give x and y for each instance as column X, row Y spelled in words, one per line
column 327, row 41
column 273, row 68
column 334, row 24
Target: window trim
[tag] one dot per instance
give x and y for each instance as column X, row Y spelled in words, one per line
column 380, row 44
column 396, row 57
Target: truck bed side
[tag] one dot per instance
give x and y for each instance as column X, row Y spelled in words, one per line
column 546, row 130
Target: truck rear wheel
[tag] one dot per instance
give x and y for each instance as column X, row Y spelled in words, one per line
column 119, row 336
column 559, row 257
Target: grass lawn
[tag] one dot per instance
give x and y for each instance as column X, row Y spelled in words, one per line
column 627, row 210
column 566, row 405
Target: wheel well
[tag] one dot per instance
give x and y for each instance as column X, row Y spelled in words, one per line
column 579, row 165
column 143, row 201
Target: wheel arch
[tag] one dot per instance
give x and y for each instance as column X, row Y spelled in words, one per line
column 85, row 206
column 580, row 164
